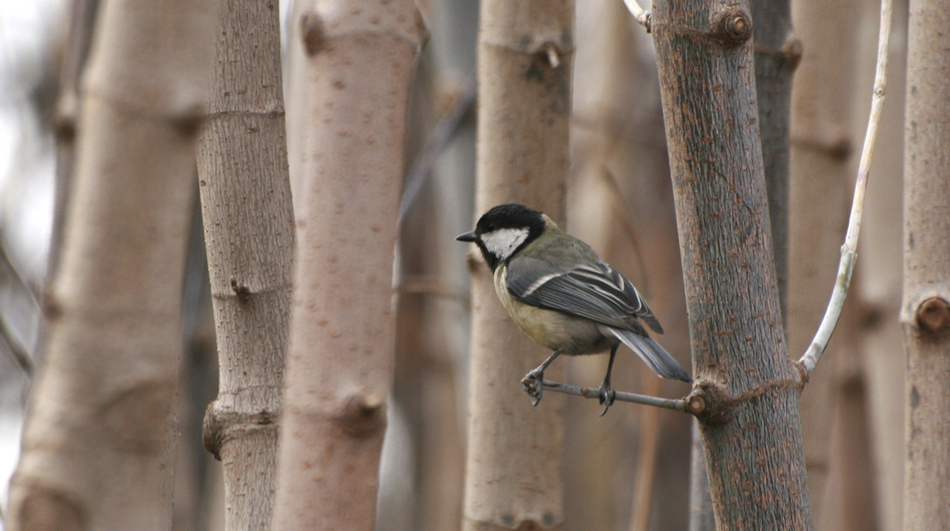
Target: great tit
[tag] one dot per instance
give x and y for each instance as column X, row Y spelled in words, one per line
column 563, row 296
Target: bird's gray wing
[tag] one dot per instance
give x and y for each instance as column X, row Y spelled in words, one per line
column 594, row 291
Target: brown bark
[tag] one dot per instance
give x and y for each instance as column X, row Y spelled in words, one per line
column 925, row 312
column 777, row 52
column 747, row 389
column 249, row 234
column 514, row 451
column 98, row 447
column 357, row 60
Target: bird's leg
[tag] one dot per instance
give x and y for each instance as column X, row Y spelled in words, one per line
column 533, row 380
column 607, row 394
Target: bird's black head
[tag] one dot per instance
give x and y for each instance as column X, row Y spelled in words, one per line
column 504, row 230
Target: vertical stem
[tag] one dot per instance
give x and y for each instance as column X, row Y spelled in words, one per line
column 357, row 59
column 249, row 235
column 926, row 311
column 706, row 70
column 98, row 445
column 514, row 450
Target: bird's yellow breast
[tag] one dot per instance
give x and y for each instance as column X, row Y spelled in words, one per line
column 549, row 328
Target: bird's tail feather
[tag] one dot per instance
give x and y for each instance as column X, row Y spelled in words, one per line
column 652, row 354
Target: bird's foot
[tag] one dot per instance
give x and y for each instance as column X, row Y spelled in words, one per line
column 607, row 396
column 533, row 385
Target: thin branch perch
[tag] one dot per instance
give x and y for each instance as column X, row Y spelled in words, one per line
column 587, row 392
column 850, row 247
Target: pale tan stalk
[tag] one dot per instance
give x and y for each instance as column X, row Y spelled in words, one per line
column 98, row 447
column 249, row 235
column 925, row 312
column 356, row 61
column 514, row 450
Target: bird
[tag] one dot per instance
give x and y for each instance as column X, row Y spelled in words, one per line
column 564, row 296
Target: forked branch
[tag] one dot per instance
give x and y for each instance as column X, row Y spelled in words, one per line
column 642, row 16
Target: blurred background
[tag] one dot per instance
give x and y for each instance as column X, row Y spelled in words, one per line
column 627, row 470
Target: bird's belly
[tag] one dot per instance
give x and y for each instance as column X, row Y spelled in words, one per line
column 555, row 330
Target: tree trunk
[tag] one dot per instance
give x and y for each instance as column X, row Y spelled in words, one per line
column 98, row 447
column 525, row 58
column 357, row 62
column 249, row 235
column 747, row 390
column 777, row 52
column 925, row 312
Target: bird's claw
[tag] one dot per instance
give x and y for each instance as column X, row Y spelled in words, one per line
column 607, row 397
column 533, row 385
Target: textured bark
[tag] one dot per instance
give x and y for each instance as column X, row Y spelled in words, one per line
column 512, row 478
column 777, row 52
column 820, row 198
column 925, row 313
column 249, row 235
column 746, row 383
column 357, row 60
column 98, row 447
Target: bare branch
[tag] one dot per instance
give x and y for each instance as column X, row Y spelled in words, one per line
column 16, row 350
column 587, row 392
column 850, row 247
column 643, row 17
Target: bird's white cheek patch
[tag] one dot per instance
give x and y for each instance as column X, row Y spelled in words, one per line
column 503, row 242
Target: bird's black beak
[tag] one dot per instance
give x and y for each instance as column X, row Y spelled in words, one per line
column 467, row 237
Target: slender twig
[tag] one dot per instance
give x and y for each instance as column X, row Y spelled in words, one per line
column 587, row 392
column 435, row 143
column 849, row 250
column 14, row 348
column 644, row 18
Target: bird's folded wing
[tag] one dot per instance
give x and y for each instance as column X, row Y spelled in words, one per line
column 594, row 291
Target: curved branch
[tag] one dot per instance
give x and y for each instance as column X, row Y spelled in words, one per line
column 849, row 250
column 643, row 17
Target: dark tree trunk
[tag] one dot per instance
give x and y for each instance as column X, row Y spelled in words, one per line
column 747, row 390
